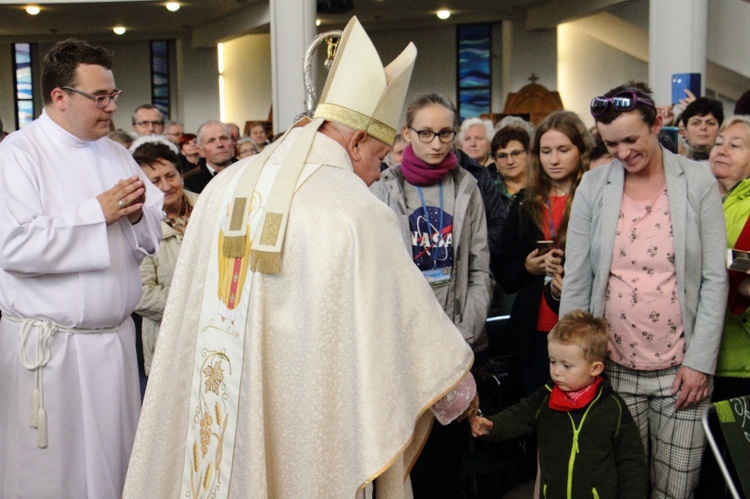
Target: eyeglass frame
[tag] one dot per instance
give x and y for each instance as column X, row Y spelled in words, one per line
column 513, row 154
column 153, row 123
column 610, row 101
column 96, row 98
column 434, row 134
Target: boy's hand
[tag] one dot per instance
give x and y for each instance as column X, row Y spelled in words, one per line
column 480, row 426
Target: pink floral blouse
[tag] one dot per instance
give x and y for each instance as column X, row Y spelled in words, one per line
column 642, row 307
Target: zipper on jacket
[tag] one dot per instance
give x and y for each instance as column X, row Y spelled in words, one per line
column 574, row 449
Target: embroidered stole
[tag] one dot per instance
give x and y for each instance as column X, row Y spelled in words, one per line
column 251, row 223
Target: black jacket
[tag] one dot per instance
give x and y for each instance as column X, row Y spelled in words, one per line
column 603, row 458
column 518, row 239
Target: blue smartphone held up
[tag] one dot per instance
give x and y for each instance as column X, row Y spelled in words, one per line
column 682, row 81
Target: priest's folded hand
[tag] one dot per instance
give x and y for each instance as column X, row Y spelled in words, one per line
column 124, row 199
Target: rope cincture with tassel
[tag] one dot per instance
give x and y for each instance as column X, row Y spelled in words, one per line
column 42, row 353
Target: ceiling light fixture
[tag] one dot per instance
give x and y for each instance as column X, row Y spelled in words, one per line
column 443, row 14
column 119, row 30
column 33, row 10
column 173, row 6
column 317, row 22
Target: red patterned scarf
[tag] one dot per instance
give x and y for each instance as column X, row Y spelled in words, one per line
column 571, row 401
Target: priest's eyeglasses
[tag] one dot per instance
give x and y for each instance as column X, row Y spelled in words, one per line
column 427, row 136
column 101, row 100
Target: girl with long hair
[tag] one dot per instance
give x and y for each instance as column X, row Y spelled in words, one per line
column 534, row 236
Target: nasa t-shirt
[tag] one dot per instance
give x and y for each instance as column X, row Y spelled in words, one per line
column 431, row 231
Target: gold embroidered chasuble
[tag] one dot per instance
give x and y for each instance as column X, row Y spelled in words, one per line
column 342, row 354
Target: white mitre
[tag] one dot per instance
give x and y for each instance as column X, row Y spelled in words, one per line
column 359, row 93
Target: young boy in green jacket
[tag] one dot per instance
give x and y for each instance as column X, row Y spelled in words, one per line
column 589, row 445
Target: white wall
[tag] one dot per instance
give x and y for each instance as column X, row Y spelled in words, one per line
column 588, row 67
column 247, row 79
column 200, row 86
column 533, row 52
column 729, row 36
column 435, row 68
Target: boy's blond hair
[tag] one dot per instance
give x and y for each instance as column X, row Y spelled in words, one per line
column 583, row 329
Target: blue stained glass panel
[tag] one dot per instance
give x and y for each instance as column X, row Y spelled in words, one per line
column 160, row 76
column 473, row 103
column 25, row 112
column 474, row 70
column 23, row 84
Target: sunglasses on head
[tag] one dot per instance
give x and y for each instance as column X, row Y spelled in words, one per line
column 622, row 102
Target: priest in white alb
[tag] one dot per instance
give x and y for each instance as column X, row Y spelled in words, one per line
column 301, row 353
column 76, row 218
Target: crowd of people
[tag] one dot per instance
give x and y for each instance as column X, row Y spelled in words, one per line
column 309, row 306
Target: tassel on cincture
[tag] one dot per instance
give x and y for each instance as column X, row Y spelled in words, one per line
column 35, row 407
column 42, row 431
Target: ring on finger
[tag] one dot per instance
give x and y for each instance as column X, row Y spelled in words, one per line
column 121, row 204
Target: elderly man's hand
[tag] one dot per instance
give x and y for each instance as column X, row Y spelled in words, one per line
column 124, row 199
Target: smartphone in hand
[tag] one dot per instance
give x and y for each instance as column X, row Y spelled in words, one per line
column 682, row 81
column 738, row 260
column 545, row 247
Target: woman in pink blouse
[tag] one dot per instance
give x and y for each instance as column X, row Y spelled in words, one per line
column 646, row 245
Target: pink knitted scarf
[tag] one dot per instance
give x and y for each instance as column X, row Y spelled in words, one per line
column 419, row 173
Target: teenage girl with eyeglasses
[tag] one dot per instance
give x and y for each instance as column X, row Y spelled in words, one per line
column 556, row 163
column 646, row 247
column 442, row 218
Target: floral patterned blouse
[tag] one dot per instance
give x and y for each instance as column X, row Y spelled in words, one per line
column 642, row 306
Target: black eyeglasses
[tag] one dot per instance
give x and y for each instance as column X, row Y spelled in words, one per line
column 152, row 123
column 513, row 154
column 427, row 136
column 622, row 102
column 101, row 100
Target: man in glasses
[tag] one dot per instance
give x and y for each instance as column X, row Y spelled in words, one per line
column 148, row 120
column 77, row 218
column 173, row 131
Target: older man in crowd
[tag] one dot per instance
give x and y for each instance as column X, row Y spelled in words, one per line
column 217, row 149
column 173, row 131
column 148, row 120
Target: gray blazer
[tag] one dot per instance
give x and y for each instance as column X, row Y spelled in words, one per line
column 699, row 242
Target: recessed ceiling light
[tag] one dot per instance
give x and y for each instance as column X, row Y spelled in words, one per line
column 119, row 30
column 33, row 10
column 317, row 22
column 173, row 6
column 443, row 14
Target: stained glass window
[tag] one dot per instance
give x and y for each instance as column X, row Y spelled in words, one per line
column 160, row 75
column 22, row 84
column 474, row 72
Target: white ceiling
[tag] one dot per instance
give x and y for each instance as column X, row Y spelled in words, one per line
column 94, row 20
